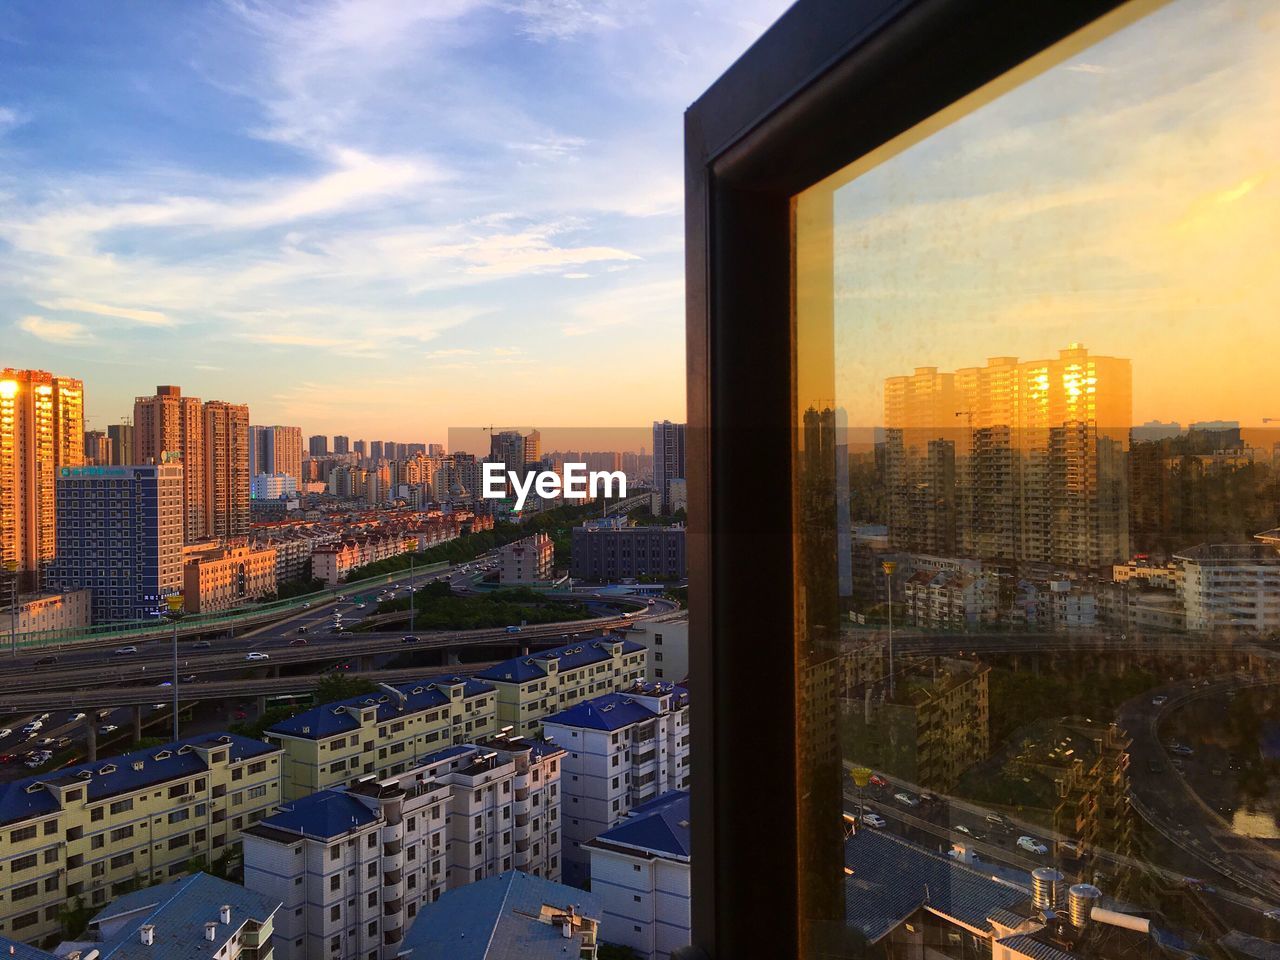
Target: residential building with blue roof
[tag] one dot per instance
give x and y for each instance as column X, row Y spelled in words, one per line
column 513, row 916
column 354, row 865
column 199, row 917
column 382, row 733
column 624, row 748
column 640, row 870
column 89, row 830
column 533, row 686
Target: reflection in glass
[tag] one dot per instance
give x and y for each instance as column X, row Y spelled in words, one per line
column 1038, row 519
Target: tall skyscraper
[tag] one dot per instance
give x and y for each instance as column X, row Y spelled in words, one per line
column 121, row 536
column 275, row 450
column 318, row 446
column 97, row 448
column 435, row 449
column 375, row 450
column 171, row 423
column 1017, row 461
column 121, row 436
column 507, row 447
column 341, row 445
column 41, row 431
column 532, row 449
column 226, row 428
column 668, row 459
column 360, row 449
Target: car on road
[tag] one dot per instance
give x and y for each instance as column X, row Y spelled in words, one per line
column 361, row 606
column 73, row 717
column 906, row 799
column 878, row 781
column 202, row 644
column 1070, row 847
column 46, row 661
column 8, row 757
column 1273, row 914
column 5, row 732
column 165, row 683
column 103, row 713
column 33, row 727
column 997, row 821
column 1181, row 750
column 125, row 651
column 39, row 759
column 189, row 678
column 961, row 828
column 874, row 820
column 409, row 639
column 107, row 728
column 513, row 629
column 298, row 642
column 1159, row 701
column 1032, row 845
column 302, row 629
column 254, row 655
column 955, row 854
column 306, row 606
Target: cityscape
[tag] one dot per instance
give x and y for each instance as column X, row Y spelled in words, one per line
column 975, row 617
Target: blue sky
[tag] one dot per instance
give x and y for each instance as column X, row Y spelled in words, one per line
column 375, row 218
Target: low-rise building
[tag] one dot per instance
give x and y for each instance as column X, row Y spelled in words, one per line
column 513, row 915
column 607, row 552
column 96, row 830
column 534, row 686
column 273, row 486
column 625, row 749
column 217, row 577
column 380, row 734
column 527, row 561
column 950, row 598
column 51, row 611
column 640, row 871
column 332, row 562
column 354, row 866
column 1231, row 585
column 195, row 917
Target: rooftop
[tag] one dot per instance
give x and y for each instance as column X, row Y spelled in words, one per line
column 659, row 827
column 334, row 718
column 507, row 917
column 580, row 653
column 1255, row 553
column 36, row 796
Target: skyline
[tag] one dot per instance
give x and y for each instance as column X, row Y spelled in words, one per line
column 347, row 216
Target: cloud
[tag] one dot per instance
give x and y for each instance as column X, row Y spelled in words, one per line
column 659, row 303
column 146, row 318
column 9, row 118
column 55, row 331
column 1094, row 68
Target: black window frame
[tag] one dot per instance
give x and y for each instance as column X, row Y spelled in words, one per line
column 829, row 82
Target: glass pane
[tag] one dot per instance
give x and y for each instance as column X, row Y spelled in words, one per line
column 1038, row 555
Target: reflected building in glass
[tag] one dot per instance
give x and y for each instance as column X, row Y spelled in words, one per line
column 1018, row 461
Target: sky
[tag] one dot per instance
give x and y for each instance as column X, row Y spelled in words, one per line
column 363, row 217
column 1127, row 199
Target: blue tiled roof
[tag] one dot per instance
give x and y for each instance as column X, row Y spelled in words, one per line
column 494, row 919
column 17, row 803
column 325, row 814
column 179, row 910
column 893, row 878
column 571, row 656
column 17, row 950
column 609, row 711
column 330, row 719
column 660, row 825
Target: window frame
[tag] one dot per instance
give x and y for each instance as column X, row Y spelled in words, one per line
column 841, row 78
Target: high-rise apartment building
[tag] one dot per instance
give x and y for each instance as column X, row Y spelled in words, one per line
column 275, row 450
column 97, row 448
column 121, row 436
column 532, row 449
column 668, row 459
column 341, row 445
column 41, row 431
column 360, row 449
column 226, row 464
column 1018, row 461
column 435, row 449
column 169, row 423
column 119, row 534
column 318, row 446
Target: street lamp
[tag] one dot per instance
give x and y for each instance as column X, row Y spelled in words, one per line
column 889, row 566
column 173, row 602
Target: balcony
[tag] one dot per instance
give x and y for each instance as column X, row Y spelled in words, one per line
column 392, row 906
column 392, row 848
column 391, row 878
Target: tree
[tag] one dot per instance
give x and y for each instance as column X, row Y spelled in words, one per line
column 75, row 917
column 342, row 686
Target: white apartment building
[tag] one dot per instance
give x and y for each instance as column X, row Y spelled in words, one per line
column 624, row 749
column 640, row 871
column 668, row 643
column 529, row 560
column 1231, row 584
column 353, row 866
